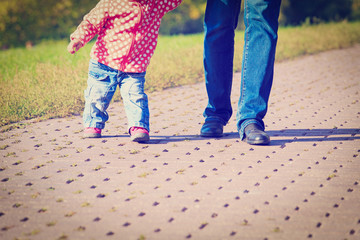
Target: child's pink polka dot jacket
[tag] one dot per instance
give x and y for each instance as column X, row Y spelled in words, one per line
column 127, row 31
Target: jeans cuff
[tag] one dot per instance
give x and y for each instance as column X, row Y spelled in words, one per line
column 215, row 119
column 247, row 123
column 139, row 124
column 96, row 125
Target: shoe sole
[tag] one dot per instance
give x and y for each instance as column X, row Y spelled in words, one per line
column 92, row 135
column 258, row 142
column 140, row 137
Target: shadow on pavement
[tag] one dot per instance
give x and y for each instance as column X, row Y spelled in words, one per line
column 313, row 135
column 298, row 135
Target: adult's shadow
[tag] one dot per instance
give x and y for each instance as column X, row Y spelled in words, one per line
column 280, row 137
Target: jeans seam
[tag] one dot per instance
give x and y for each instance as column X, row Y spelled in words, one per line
column 243, row 86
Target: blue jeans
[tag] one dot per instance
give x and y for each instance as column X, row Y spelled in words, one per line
column 261, row 25
column 102, row 84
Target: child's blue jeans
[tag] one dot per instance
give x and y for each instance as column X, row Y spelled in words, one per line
column 102, row 84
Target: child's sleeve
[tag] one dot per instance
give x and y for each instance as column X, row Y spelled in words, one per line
column 92, row 23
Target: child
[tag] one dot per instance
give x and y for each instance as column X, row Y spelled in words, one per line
column 127, row 36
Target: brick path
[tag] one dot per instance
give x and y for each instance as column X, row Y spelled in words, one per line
column 305, row 185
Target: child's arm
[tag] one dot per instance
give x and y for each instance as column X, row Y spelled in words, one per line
column 90, row 26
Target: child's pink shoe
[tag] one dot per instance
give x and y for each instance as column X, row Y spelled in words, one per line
column 139, row 134
column 91, row 132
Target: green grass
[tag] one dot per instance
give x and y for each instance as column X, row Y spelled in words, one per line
column 46, row 82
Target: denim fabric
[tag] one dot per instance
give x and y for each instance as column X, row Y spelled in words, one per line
column 102, row 84
column 261, row 25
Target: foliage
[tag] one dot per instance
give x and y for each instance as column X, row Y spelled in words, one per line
column 186, row 19
column 296, row 12
column 46, row 81
column 30, row 21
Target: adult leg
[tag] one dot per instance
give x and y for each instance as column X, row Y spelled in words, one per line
column 221, row 17
column 261, row 25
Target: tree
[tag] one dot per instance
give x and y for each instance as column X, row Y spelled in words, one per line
column 187, row 18
column 24, row 21
column 295, row 12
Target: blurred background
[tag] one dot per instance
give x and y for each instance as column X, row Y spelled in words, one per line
column 27, row 22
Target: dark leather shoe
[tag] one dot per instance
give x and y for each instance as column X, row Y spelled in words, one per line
column 212, row 129
column 255, row 135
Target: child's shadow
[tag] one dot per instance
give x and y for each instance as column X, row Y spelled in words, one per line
column 160, row 139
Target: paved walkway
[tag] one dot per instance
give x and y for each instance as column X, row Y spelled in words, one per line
column 305, row 185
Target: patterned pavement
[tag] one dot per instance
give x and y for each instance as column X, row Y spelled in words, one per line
column 305, row 185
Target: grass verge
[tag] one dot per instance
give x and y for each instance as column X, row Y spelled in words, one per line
column 46, row 82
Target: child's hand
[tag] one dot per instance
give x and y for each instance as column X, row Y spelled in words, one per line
column 74, row 46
